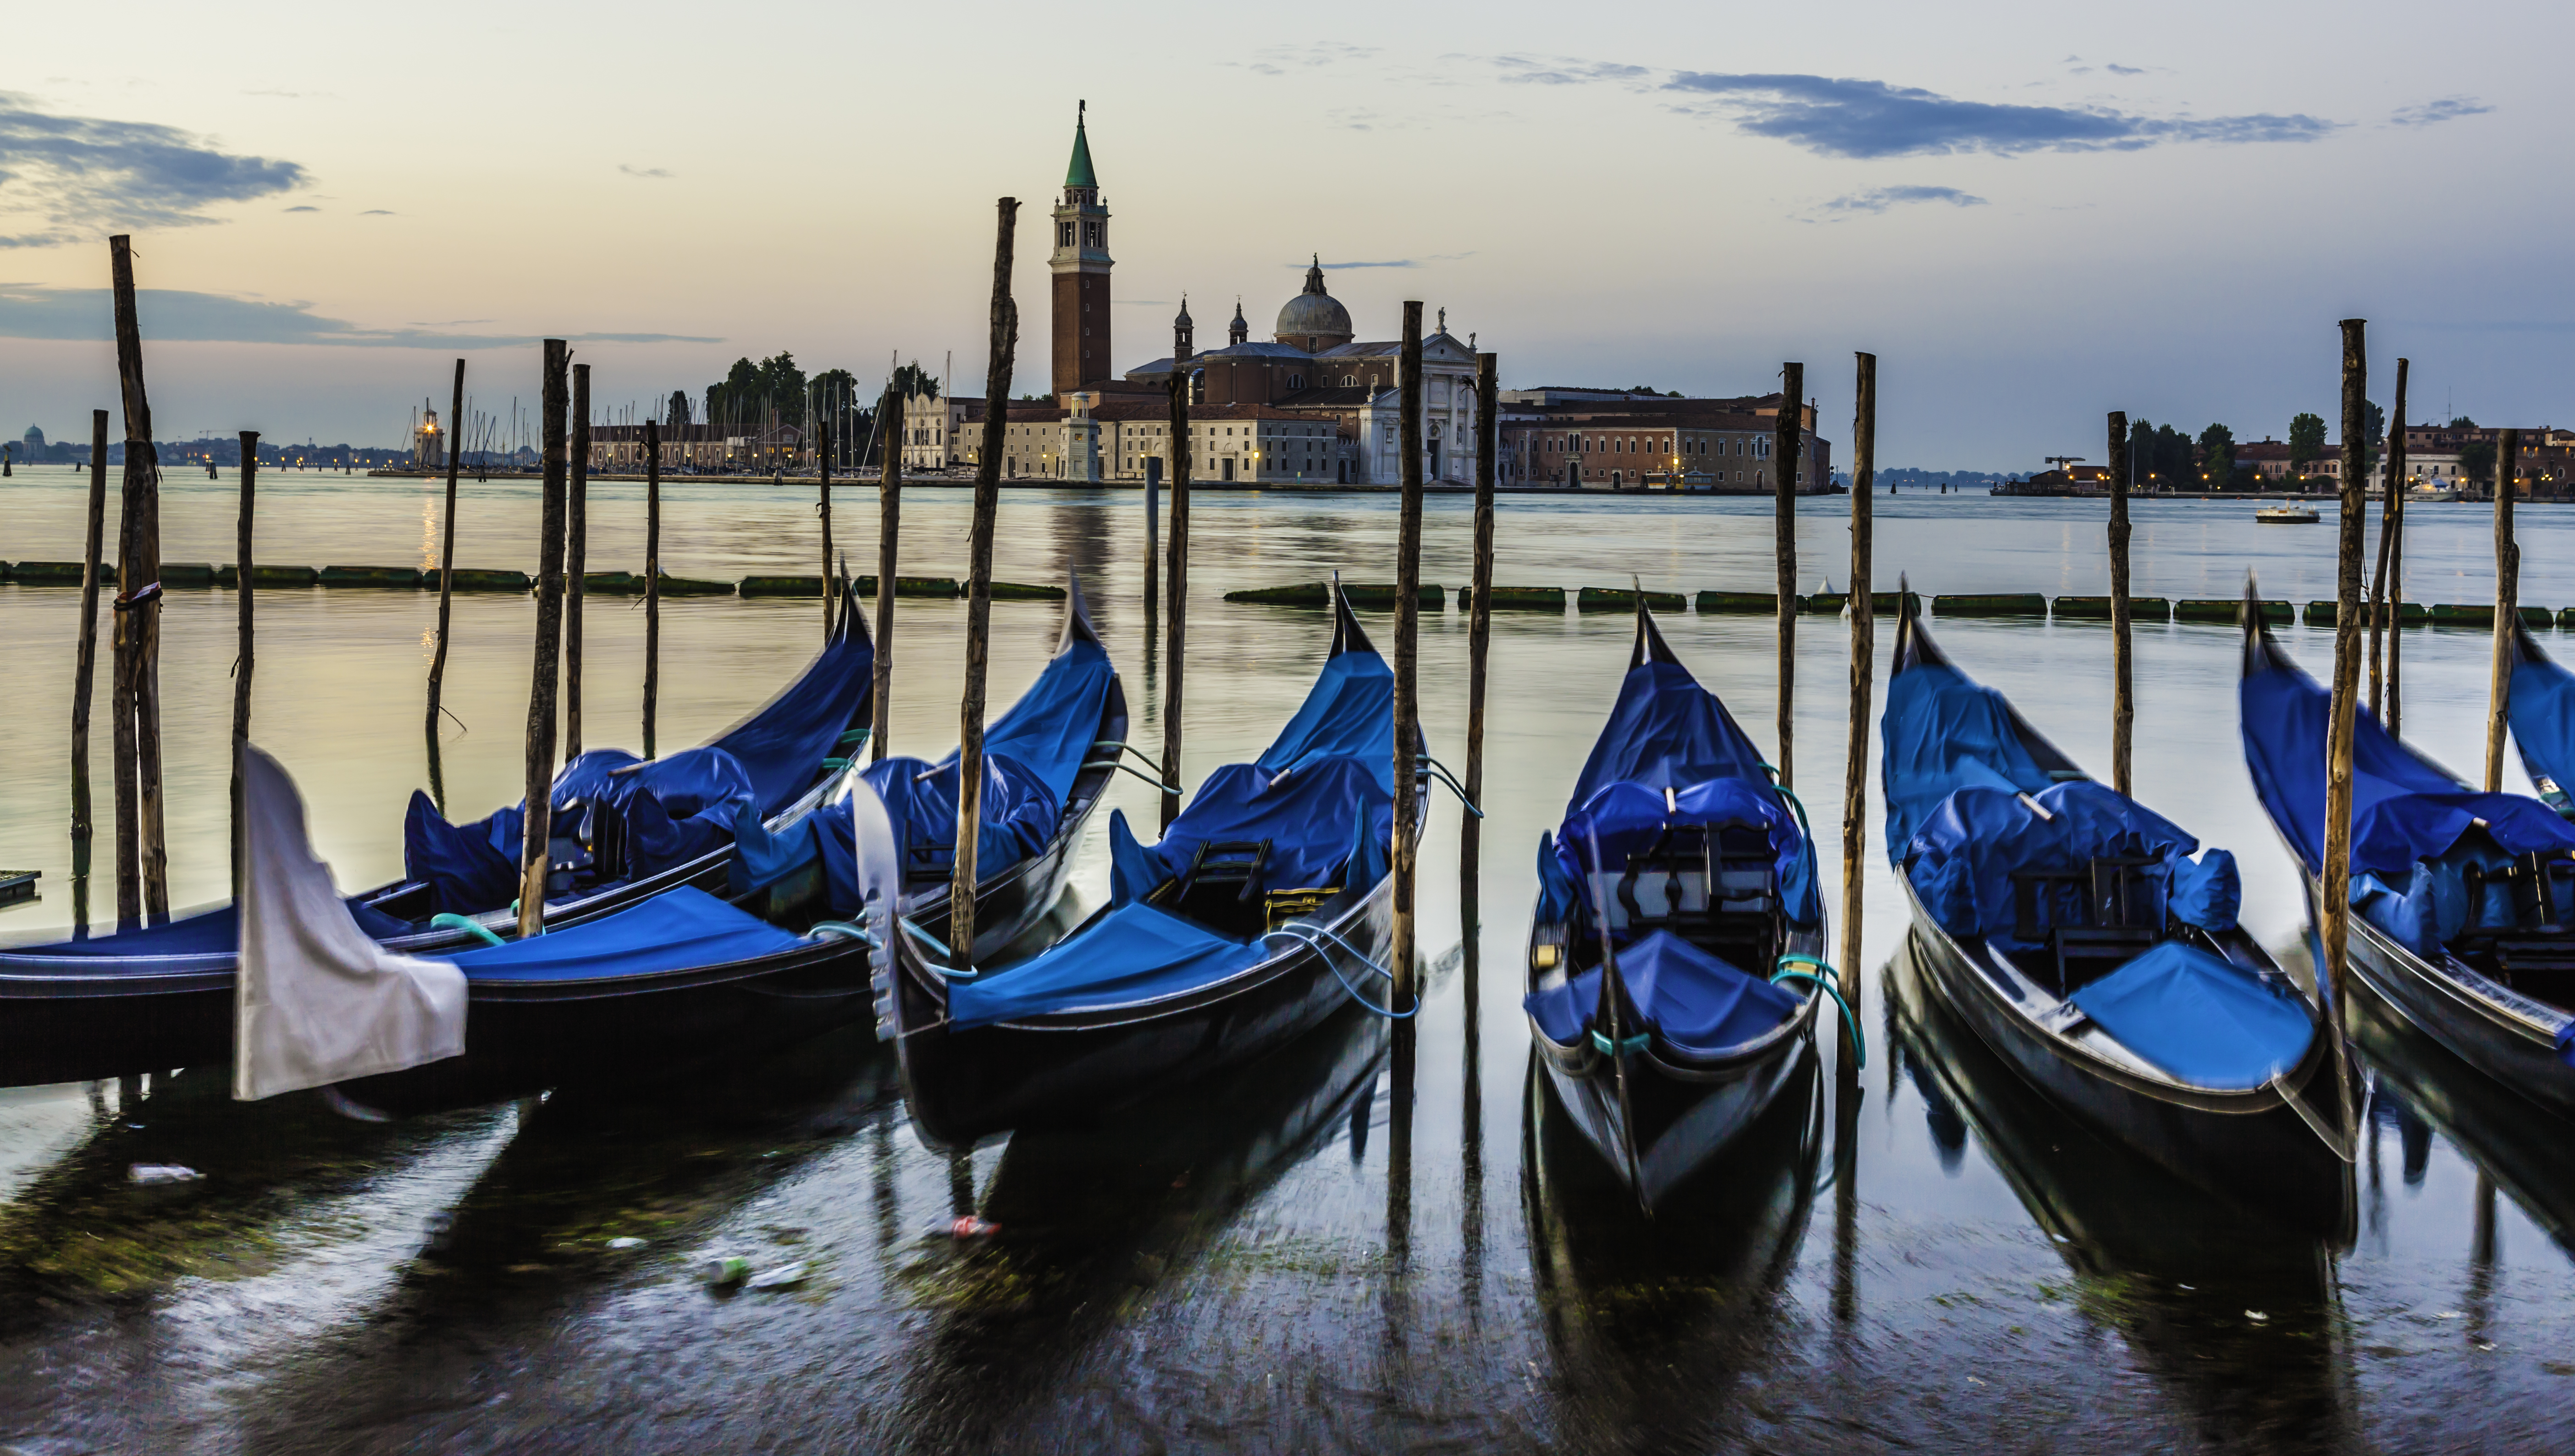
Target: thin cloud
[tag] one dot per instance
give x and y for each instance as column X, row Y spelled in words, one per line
column 376, row 212
column 1420, row 262
column 652, row 172
column 1840, row 117
column 303, row 207
column 2117, row 70
column 87, row 177
column 179, row 315
column 1526, row 71
column 2432, row 113
column 1879, row 199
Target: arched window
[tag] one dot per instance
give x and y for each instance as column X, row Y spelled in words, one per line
column 1350, row 380
column 1296, row 381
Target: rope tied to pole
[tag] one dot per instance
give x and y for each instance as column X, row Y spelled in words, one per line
column 1825, row 983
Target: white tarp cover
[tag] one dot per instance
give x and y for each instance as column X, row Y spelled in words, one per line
column 316, row 1001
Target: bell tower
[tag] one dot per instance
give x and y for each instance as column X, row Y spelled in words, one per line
column 1081, row 262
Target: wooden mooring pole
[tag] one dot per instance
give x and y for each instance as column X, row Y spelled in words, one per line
column 84, row 667
column 823, row 507
column 2124, row 689
column 244, row 659
column 2334, row 894
column 576, row 559
column 979, row 593
column 1480, row 617
column 1175, row 582
column 2507, row 607
column 138, row 579
column 2387, row 593
column 1863, row 667
column 651, row 579
column 1786, row 438
column 446, row 592
column 1408, row 630
column 535, row 854
column 889, row 558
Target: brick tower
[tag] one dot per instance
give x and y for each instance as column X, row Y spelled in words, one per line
column 1081, row 264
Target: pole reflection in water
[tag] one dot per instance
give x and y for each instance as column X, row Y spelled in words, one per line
column 1470, row 1110
column 2201, row 1290
column 1652, row 1321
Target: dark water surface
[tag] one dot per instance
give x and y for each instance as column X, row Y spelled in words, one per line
column 1374, row 1241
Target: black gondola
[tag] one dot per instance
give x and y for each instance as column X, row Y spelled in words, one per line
column 2463, row 903
column 1676, row 957
column 2071, row 928
column 1237, row 933
column 2541, row 708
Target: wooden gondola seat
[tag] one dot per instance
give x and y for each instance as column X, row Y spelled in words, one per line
column 1221, row 888
column 1715, row 889
column 2091, row 920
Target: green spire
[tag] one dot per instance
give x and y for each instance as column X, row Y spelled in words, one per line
column 1080, row 172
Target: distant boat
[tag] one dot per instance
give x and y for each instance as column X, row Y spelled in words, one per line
column 2286, row 515
column 2429, row 492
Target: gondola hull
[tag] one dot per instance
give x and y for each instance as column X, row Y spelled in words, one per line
column 2251, row 1147
column 1685, row 1117
column 1070, row 1069
column 2485, row 1026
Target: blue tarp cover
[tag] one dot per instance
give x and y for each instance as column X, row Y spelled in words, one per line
column 1944, row 731
column 1697, row 1001
column 2542, row 712
column 205, row 933
column 2206, row 1021
column 1628, row 818
column 681, row 929
column 1347, row 713
column 783, row 746
column 676, row 810
column 1132, row 952
column 1665, row 731
column 2405, row 809
column 1963, row 858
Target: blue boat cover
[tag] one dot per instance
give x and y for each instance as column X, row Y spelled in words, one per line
column 783, row 746
column 1944, row 731
column 1697, row 1001
column 1963, row 859
column 681, row 929
column 676, row 810
column 2542, row 713
column 2206, row 1021
column 1322, row 794
column 2404, row 808
column 1665, row 731
column 1626, row 818
column 205, row 933
column 1131, row 952
column 1032, row 756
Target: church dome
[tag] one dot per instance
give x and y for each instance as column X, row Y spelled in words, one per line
column 1315, row 315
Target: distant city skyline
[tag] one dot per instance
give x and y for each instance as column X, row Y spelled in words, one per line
column 2030, row 216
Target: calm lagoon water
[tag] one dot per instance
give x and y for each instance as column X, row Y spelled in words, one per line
column 1369, row 1243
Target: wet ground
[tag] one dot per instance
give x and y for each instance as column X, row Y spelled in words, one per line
column 1380, row 1239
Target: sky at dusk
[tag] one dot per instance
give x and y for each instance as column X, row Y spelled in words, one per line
column 2032, row 213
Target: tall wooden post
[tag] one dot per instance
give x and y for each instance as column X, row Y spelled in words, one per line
column 888, row 555
column 535, row 853
column 2507, row 607
column 1479, row 613
column 243, row 657
column 823, row 507
column 1407, row 628
column 1152, row 537
column 979, row 593
column 1788, row 437
column 2391, row 566
column 2334, row 894
column 1176, row 583
column 446, row 588
column 651, row 579
column 138, row 579
column 1863, row 667
column 2123, row 692
column 84, row 667
column 576, row 559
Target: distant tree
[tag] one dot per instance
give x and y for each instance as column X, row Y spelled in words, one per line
column 2217, row 456
column 2306, row 442
column 2376, row 416
column 2462, row 421
column 2477, row 460
column 909, row 380
column 679, row 411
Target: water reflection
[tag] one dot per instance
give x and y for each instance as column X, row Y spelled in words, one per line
column 1653, row 1321
column 2235, row 1314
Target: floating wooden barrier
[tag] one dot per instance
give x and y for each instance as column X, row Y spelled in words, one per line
column 403, row 578
column 2097, row 608
column 187, row 574
column 1515, row 599
column 2227, row 609
column 489, row 581
column 1740, row 603
column 1832, row 604
column 1620, row 599
column 1011, row 591
column 58, row 573
column 281, row 577
column 1320, row 593
column 932, row 586
column 612, row 584
column 18, row 885
column 2481, row 613
column 691, row 587
column 2002, row 603
column 782, row 586
column 2408, row 614
column 2565, row 618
